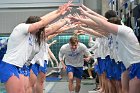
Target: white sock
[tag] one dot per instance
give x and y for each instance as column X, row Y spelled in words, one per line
column 71, row 91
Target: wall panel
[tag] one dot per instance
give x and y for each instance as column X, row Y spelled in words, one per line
column 9, row 18
column 34, row 3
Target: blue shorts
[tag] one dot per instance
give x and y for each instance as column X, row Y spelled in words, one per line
column 96, row 68
column 134, row 70
column 9, row 70
column 102, row 65
column 122, row 66
column 25, row 70
column 36, row 68
column 6, row 71
column 109, row 68
column 117, row 71
column 77, row 71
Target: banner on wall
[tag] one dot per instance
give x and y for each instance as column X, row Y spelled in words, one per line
column 3, row 42
column 131, row 0
column 3, row 46
column 34, row 3
column 111, row 1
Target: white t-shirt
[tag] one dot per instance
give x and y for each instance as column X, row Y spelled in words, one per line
column 106, row 46
column 74, row 58
column 101, row 48
column 94, row 47
column 91, row 43
column 46, row 52
column 112, row 43
column 21, row 45
column 41, row 55
column 128, row 46
column 113, row 51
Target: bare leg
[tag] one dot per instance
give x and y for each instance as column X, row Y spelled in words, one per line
column 134, row 85
column 106, row 86
column 100, row 81
column 97, row 82
column 27, row 84
column 113, row 83
column 32, row 80
column 71, row 78
column 60, row 73
column 15, row 84
column 103, row 82
column 125, row 82
column 111, row 86
column 40, row 82
column 78, row 85
column 118, row 86
column 90, row 72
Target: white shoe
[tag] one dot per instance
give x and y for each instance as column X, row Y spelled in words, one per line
column 91, row 77
column 93, row 91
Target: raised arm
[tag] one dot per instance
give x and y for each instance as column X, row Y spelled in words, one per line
column 91, row 31
column 92, row 12
column 90, row 38
column 52, row 56
column 65, row 28
column 46, row 19
column 103, row 24
column 54, row 27
column 87, row 21
column 61, row 58
column 59, row 31
column 51, row 36
column 52, row 43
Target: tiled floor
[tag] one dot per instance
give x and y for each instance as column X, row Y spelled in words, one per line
column 2, row 89
column 62, row 86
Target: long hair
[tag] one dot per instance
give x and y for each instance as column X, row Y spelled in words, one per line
column 40, row 35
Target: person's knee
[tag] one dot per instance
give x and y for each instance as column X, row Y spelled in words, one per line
column 32, row 82
column 70, row 78
column 78, row 84
column 41, row 79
